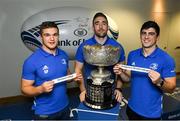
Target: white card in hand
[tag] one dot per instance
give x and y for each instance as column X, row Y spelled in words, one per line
column 64, row 78
column 134, row 68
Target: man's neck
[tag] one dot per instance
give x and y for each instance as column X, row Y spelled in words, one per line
column 148, row 51
column 53, row 51
column 101, row 40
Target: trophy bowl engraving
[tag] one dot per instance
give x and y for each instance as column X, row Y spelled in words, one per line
column 101, row 55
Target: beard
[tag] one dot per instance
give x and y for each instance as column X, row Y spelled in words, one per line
column 101, row 35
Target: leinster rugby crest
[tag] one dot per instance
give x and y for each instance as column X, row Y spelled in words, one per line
column 153, row 66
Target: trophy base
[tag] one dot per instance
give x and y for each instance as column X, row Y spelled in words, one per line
column 100, row 106
column 100, row 96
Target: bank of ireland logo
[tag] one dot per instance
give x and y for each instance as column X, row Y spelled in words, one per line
column 80, row 32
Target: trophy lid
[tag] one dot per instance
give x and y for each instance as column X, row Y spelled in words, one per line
column 101, row 55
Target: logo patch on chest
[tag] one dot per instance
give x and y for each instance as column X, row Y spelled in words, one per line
column 153, row 66
column 133, row 63
column 45, row 69
column 63, row 61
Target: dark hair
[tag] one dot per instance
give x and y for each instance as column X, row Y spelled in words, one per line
column 151, row 24
column 48, row 24
column 99, row 14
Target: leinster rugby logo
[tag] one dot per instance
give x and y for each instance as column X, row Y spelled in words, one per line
column 75, row 25
column 153, row 66
column 45, row 69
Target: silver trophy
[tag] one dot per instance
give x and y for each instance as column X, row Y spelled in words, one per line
column 100, row 84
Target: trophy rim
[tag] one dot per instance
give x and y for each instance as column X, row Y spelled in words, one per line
column 101, row 55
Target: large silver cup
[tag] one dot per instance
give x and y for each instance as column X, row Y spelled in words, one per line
column 101, row 55
column 100, row 85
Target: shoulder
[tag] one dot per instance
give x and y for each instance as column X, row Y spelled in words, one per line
column 165, row 56
column 33, row 57
column 114, row 42
column 86, row 42
column 136, row 51
column 62, row 53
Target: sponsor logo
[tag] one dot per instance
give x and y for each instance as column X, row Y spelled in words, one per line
column 68, row 42
column 80, row 32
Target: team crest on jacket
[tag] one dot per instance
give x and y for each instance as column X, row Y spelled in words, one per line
column 63, row 61
column 153, row 66
column 45, row 69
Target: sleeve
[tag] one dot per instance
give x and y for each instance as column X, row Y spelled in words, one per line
column 168, row 69
column 67, row 59
column 79, row 54
column 129, row 58
column 28, row 71
column 122, row 54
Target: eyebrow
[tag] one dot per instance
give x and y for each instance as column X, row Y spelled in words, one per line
column 99, row 21
column 148, row 32
column 50, row 34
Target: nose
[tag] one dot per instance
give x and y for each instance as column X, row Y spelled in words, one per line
column 100, row 25
column 146, row 36
column 52, row 37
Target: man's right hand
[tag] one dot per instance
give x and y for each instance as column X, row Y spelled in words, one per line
column 78, row 77
column 47, row 86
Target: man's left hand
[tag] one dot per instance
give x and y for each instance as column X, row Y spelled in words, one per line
column 154, row 76
column 118, row 95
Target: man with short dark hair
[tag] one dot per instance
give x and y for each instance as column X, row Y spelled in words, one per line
column 145, row 102
column 45, row 64
column 100, row 27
